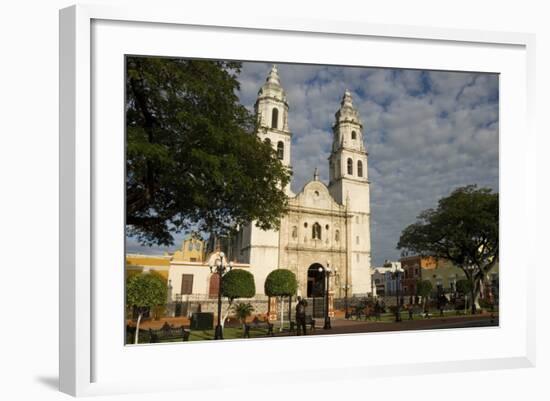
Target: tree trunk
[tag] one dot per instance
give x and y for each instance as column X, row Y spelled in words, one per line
column 136, row 340
column 476, row 292
column 473, row 305
column 224, row 317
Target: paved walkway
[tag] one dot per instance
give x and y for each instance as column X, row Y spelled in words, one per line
column 343, row 326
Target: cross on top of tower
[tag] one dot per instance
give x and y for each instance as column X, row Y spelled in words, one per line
column 347, row 99
column 273, row 76
column 316, row 175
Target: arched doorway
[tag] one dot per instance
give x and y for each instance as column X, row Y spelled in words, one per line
column 316, row 290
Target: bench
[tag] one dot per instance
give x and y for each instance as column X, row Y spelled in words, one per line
column 168, row 332
column 310, row 321
column 258, row 325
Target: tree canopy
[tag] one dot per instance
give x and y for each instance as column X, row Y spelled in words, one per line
column 238, row 283
column 464, row 286
column 280, row 283
column 145, row 290
column 462, row 229
column 192, row 158
column 423, row 288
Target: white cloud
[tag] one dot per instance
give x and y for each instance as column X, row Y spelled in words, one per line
column 427, row 132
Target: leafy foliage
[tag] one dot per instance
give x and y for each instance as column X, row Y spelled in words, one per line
column 193, row 161
column 238, row 283
column 464, row 286
column 423, row 288
column 243, row 310
column 145, row 290
column 462, row 229
column 281, row 283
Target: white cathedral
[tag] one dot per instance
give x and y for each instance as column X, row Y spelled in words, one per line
column 325, row 225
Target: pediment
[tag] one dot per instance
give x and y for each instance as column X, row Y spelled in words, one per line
column 316, row 195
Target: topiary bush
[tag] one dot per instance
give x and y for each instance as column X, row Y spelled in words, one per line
column 238, row 283
column 281, row 283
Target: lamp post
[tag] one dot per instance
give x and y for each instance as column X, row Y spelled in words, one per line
column 220, row 267
column 327, row 272
column 346, row 288
column 397, row 306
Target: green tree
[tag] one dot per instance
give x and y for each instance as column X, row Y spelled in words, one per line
column 243, row 310
column 192, row 159
column 462, row 229
column 144, row 291
column 464, row 287
column 424, row 289
column 237, row 283
column 281, row 283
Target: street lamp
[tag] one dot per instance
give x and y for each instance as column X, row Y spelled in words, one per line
column 397, row 287
column 327, row 272
column 346, row 288
column 220, row 267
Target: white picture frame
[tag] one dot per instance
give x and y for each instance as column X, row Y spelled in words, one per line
column 85, row 356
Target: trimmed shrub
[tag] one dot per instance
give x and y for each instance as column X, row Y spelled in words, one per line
column 281, row 283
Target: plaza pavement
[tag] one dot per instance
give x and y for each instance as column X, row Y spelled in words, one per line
column 343, row 326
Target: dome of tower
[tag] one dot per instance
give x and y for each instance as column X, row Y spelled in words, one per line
column 272, row 86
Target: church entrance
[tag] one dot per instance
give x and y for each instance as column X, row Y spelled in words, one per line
column 316, row 291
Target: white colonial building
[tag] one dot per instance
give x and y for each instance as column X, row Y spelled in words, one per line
column 326, row 224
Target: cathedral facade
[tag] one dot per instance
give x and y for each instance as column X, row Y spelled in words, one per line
column 326, row 225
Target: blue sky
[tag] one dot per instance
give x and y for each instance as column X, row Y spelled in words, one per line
column 426, row 132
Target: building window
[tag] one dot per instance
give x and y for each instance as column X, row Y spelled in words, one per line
column 326, row 227
column 360, row 168
column 274, row 117
column 350, row 167
column 357, row 240
column 305, row 224
column 186, row 284
column 280, row 150
column 353, row 135
column 316, row 231
column 357, row 257
column 294, row 232
column 337, row 235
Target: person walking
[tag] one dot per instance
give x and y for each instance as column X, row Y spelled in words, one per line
column 301, row 316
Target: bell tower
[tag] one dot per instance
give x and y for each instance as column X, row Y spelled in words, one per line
column 271, row 109
column 349, row 185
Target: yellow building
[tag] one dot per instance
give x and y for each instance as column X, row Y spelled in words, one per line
column 136, row 263
column 192, row 250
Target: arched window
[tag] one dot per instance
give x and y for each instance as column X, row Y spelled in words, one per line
column 353, row 135
column 274, row 117
column 360, row 168
column 280, row 150
column 294, row 232
column 316, row 231
column 350, row 167
column 337, row 235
